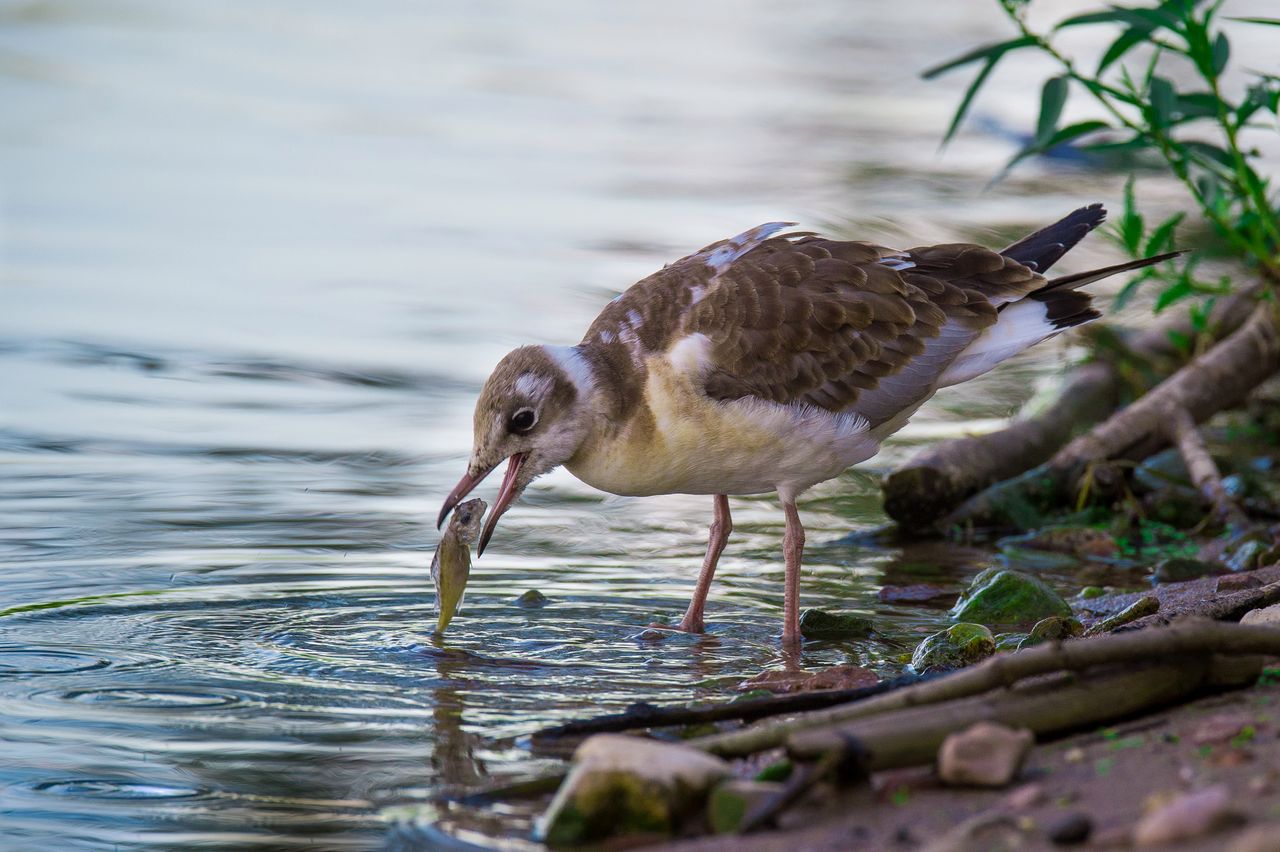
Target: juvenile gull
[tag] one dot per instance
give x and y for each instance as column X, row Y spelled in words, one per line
column 768, row 362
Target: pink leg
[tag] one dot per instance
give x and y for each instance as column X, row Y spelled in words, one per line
column 721, row 526
column 793, row 551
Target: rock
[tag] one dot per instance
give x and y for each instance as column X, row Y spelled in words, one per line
column 1220, row 728
column 1269, row 615
column 1142, row 607
column 627, row 785
column 1083, row 542
column 1071, row 829
column 984, row 755
column 1055, row 628
column 797, row 680
column 1261, row 838
column 1161, row 470
column 1001, row 596
column 1187, row 816
column 1238, row 582
column 819, row 624
column 1179, row 569
column 1091, row 592
column 957, row 646
column 1246, row 555
column 1026, row 797
column 921, row 593
column 532, row 599
column 730, row 801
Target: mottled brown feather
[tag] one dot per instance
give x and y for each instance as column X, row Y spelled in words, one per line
column 808, row 320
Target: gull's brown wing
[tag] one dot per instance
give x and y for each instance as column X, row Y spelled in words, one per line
column 848, row 326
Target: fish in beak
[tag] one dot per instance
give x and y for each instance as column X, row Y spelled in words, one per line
column 451, row 566
column 507, row 493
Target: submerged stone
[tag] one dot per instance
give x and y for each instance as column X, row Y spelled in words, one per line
column 1055, row 628
column 731, row 801
column 624, row 785
column 1080, row 541
column 1001, row 596
column 532, row 599
column 1179, row 569
column 820, row 624
column 957, row 646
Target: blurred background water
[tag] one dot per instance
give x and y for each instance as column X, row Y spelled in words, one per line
column 256, row 259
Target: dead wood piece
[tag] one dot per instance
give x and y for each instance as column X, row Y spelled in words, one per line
column 1187, row 637
column 912, row 737
column 1204, row 473
column 648, row 716
column 1217, row 380
column 940, row 478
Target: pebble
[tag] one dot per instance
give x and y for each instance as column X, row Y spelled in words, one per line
column 1262, row 838
column 1220, row 728
column 984, row 755
column 1238, row 582
column 1269, row 615
column 1071, row 829
column 1025, row 797
column 1187, row 816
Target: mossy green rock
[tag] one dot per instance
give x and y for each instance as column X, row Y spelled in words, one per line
column 622, row 785
column 779, row 770
column 1179, row 569
column 1091, row 592
column 732, row 800
column 957, row 646
column 1245, row 556
column 1001, row 596
column 820, row 624
column 1055, row 628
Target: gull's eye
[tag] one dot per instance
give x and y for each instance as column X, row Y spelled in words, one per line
column 522, row 420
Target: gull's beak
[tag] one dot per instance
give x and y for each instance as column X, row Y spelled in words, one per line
column 459, row 492
column 506, row 494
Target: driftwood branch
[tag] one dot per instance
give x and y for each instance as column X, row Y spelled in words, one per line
column 648, row 716
column 1219, row 379
column 939, row 479
column 1185, row 638
column 1204, row 473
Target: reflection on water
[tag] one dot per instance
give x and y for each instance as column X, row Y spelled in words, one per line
column 255, row 260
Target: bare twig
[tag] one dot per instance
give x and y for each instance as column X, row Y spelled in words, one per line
column 1204, row 473
column 1189, row 637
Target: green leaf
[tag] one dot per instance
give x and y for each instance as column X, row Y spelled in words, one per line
column 1052, row 99
column 1161, row 238
column 1128, row 39
column 1198, row 105
column 1130, row 227
column 1164, row 101
column 988, row 52
column 1180, row 289
column 1221, row 53
column 1073, row 131
column 1211, row 154
column 1111, row 17
column 967, row 100
column 1130, row 289
column 1272, row 22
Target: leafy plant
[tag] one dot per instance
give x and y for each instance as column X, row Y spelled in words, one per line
column 1198, row 133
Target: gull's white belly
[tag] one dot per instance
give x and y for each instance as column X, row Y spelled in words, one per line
column 695, row 445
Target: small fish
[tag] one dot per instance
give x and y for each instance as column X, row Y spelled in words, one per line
column 452, row 563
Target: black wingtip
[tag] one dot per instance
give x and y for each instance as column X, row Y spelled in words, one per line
column 1046, row 246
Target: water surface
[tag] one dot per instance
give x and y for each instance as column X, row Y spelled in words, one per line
column 256, row 260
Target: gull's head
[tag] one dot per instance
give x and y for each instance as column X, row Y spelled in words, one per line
column 532, row 413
